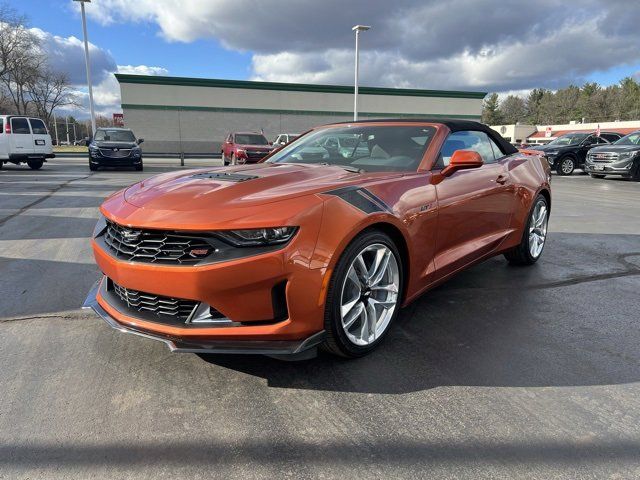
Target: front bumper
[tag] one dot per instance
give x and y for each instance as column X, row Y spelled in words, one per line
column 613, row 168
column 293, row 349
column 103, row 161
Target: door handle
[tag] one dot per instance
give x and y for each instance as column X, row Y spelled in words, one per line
column 502, row 179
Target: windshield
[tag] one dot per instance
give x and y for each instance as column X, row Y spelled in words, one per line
column 251, row 139
column 366, row 148
column 631, row 139
column 115, row 136
column 569, row 139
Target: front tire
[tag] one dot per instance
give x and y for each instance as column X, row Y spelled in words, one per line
column 534, row 236
column 364, row 295
column 140, row 167
column 225, row 162
column 35, row 164
column 566, row 166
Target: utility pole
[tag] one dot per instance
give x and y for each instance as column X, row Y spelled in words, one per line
column 55, row 127
column 88, row 66
column 357, row 29
column 66, row 123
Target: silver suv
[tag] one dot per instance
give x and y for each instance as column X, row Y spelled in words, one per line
column 621, row 158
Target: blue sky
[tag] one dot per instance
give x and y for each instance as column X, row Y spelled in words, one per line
column 493, row 47
column 139, row 43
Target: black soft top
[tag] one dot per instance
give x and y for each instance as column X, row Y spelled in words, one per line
column 455, row 125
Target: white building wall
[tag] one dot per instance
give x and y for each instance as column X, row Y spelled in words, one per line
column 195, row 119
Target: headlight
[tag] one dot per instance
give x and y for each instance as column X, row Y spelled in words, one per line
column 551, row 153
column 625, row 155
column 136, row 151
column 100, row 227
column 93, row 149
column 258, row 236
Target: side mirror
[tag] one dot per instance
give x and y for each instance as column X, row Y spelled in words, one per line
column 462, row 160
column 139, row 141
column 88, row 140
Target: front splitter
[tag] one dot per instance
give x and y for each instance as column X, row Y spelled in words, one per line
column 284, row 349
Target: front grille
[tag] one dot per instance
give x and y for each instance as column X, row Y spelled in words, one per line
column 155, row 246
column 120, row 153
column 147, row 302
column 256, row 155
column 603, row 157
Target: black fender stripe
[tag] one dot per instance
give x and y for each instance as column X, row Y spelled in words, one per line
column 361, row 198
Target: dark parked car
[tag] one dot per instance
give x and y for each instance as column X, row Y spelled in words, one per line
column 568, row 152
column 621, row 158
column 115, row 147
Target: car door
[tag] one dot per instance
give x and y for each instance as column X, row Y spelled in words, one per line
column 474, row 206
column 226, row 146
column 41, row 138
column 21, row 140
column 586, row 145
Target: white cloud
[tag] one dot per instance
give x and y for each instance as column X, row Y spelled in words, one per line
column 106, row 94
column 66, row 54
column 468, row 44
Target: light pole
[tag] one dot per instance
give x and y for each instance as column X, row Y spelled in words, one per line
column 86, row 61
column 357, row 29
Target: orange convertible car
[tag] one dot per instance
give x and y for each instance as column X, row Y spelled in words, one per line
column 320, row 244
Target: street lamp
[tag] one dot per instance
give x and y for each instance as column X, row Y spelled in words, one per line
column 86, row 61
column 357, row 29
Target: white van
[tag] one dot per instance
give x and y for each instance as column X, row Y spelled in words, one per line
column 24, row 139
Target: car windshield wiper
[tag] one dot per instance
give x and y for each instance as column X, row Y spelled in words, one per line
column 348, row 168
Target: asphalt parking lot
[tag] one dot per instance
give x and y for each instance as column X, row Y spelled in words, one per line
column 503, row 372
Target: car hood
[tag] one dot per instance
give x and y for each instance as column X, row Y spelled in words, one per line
column 262, row 148
column 615, row 148
column 546, row 148
column 201, row 197
column 114, row 144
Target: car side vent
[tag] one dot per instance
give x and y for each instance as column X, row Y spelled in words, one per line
column 226, row 176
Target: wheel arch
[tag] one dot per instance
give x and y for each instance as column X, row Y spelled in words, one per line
column 400, row 242
column 547, row 196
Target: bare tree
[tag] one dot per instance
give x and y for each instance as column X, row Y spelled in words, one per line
column 14, row 37
column 49, row 90
column 20, row 58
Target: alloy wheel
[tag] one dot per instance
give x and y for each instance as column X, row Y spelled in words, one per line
column 538, row 229
column 370, row 293
column 567, row 166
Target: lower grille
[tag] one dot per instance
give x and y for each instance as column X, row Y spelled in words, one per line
column 256, row 155
column 154, row 246
column 120, row 153
column 147, row 302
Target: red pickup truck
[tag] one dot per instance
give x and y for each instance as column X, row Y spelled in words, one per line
column 245, row 147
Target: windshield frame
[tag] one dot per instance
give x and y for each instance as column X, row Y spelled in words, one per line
column 581, row 136
column 422, row 162
column 106, row 131
column 248, row 135
column 621, row 142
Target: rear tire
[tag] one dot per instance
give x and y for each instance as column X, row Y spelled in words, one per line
column 530, row 249
column 565, row 166
column 35, row 164
column 363, row 298
column 596, row 175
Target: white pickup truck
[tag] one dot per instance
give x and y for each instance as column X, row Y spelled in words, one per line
column 24, row 139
